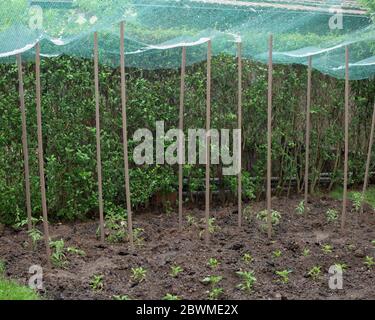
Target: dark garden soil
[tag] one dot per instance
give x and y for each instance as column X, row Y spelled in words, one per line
column 165, row 246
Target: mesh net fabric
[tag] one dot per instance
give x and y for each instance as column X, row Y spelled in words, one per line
column 156, row 30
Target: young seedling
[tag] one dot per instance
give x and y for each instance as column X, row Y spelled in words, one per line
column 357, row 201
column 327, row 248
column 332, row 215
column 213, row 263
column 76, row 251
column 175, row 270
column 284, row 275
column 138, row 274
column 35, row 236
column 314, row 272
column 341, row 266
column 191, row 221
column 373, row 242
column 137, row 236
column 247, row 258
column 171, row 297
column 300, row 209
column 116, row 224
column 369, row 262
column 277, row 254
column 248, row 280
column 215, row 291
column 96, row 282
column 212, row 227
column 262, row 216
column 58, row 256
column 121, row 297
column 306, row 252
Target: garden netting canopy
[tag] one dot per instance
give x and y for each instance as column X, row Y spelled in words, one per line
column 157, row 29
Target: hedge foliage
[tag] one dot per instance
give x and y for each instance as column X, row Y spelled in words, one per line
column 69, row 131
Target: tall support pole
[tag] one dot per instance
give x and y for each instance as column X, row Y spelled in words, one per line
column 239, row 125
column 208, row 140
column 269, row 138
column 346, row 156
column 180, row 146
column 125, row 134
column 40, row 152
column 371, row 141
column 308, row 124
column 25, row 148
column 98, row 144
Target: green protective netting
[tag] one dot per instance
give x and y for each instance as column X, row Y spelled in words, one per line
column 156, row 30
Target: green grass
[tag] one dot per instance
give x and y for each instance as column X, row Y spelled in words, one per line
column 11, row 290
column 369, row 195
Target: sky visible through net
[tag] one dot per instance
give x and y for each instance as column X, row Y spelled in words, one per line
column 156, row 30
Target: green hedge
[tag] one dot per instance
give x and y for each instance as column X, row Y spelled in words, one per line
column 69, row 131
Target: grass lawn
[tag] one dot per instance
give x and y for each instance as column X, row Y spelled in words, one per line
column 369, row 196
column 11, row 290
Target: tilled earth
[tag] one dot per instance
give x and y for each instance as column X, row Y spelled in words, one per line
column 165, row 246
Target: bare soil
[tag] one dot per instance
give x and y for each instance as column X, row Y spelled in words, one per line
column 164, row 246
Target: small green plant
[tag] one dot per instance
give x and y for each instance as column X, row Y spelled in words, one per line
column 262, row 216
column 138, row 274
column 306, row 252
column 332, row 215
column 35, row 236
column 369, row 262
column 327, row 248
column 247, row 258
column 58, row 256
column 215, row 291
column 277, row 254
column 300, row 209
column 191, row 221
column 341, row 266
column 34, row 233
column 121, row 297
column 137, row 236
column 96, row 282
column 115, row 224
column 76, row 251
column 213, row 263
column 175, row 271
column 284, row 275
column 171, row 297
column 357, row 199
column 373, row 242
column 248, row 280
column 212, row 227
column 314, row 272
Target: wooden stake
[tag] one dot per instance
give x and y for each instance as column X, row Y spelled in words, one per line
column 181, row 127
column 269, row 139
column 125, row 134
column 308, row 123
column 25, row 148
column 208, row 140
column 239, row 125
column 98, row 145
column 347, row 89
column 371, row 141
column 41, row 154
